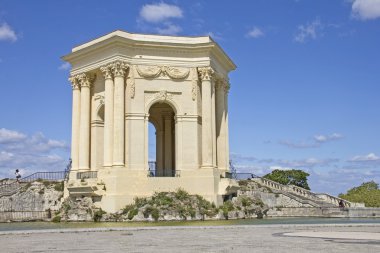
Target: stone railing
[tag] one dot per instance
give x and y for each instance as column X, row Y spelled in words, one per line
column 299, row 191
column 269, row 183
column 335, row 200
column 302, row 192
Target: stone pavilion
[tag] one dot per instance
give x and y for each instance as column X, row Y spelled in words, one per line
column 121, row 82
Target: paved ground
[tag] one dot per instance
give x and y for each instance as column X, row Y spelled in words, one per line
column 273, row 239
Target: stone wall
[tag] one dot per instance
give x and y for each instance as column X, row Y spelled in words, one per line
column 275, row 199
column 36, row 196
column 24, row 216
column 329, row 212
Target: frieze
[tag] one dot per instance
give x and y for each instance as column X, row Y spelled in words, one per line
column 155, row 71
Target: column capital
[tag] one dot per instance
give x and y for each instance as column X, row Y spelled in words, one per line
column 119, row 68
column 74, row 82
column 107, row 71
column 86, row 80
column 205, row 73
column 222, row 83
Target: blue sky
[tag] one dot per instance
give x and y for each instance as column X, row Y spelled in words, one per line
column 305, row 95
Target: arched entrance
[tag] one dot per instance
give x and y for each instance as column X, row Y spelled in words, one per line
column 161, row 115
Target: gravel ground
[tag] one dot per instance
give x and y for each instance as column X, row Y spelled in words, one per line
column 270, row 238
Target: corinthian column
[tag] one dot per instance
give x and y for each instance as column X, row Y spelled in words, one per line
column 108, row 115
column 221, row 125
column 226, row 90
column 84, row 135
column 75, row 123
column 205, row 75
column 119, row 68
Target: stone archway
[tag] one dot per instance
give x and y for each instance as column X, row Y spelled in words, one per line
column 162, row 115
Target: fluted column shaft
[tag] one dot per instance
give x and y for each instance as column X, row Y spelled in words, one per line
column 213, row 122
column 221, row 126
column 119, row 114
column 227, row 87
column 75, row 124
column 207, row 140
column 108, row 116
column 84, row 135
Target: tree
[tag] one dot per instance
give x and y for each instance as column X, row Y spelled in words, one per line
column 285, row 177
column 367, row 193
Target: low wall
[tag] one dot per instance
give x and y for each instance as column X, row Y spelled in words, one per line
column 23, row 216
column 351, row 212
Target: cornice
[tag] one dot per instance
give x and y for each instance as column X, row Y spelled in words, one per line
column 180, row 44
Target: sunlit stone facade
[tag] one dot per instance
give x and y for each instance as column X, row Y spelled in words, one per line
column 122, row 81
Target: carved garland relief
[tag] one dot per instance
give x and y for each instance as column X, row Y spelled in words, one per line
column 156, row 71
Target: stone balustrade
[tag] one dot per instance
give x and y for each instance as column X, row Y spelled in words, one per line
column 299, row 191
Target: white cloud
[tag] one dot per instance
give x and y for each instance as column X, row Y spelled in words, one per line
column 255, row 32
column 159, row 12
column 9, row 136
column 279, row 168
column 326, row 138
column 303, row 144
column 371, row 157
column 366, row 9
column 315, row 142
column 169, row 29
column 306, row 163
column 240, row 157
column 64, row 66
column 7, row 33
column 30, row 153
column 309, row 31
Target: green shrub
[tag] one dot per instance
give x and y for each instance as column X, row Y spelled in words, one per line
column 227, row 207
column 140, row 202
column 246, row 201
column 59, row 186
column 127, row 208
column 66, row 207
column 155, row 214
column 162, row 199
column 56, row 219
column 258, row 202
column 192, row 212
column 46, row 183
column 132, row 213
column 243, row 182
column 181, row 194
column 148, row 210
column 98, row 215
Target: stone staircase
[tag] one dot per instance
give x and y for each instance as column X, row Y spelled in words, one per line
column 304, row 196
column 12, row 186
